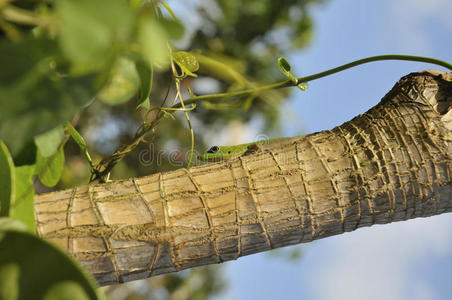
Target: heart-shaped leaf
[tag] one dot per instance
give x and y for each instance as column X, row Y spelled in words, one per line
column 50, row 169
column 187, row 62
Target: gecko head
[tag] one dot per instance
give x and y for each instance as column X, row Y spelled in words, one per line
column 213, row 149
column 210, row 155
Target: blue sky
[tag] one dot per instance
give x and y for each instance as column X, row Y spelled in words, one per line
column 405, row 260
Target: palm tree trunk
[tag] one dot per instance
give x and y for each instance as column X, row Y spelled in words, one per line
column 389, row 164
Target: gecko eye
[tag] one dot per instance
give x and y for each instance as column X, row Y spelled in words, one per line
column 213, row 149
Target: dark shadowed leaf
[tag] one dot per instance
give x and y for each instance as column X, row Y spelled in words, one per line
column 26, row 155
column 31, row 268
column 33, row 97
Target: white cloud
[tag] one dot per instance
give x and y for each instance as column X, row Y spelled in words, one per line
column 377, row 262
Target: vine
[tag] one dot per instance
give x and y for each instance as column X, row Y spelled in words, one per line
column 102, row 170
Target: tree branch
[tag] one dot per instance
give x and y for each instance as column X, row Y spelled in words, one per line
column 392, row 163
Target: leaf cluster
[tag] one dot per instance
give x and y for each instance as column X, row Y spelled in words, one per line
column 61, row 58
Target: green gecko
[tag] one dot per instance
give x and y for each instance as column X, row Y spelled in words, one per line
column 222, row 153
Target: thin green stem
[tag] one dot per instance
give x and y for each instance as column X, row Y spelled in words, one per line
column 288, row 83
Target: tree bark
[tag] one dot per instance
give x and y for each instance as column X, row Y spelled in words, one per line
column 389, row 164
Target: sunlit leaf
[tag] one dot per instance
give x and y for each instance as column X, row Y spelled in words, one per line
column 153, row 38
column 23, row 208
column 77, row 137
column 303, row 86
column 50, row 169
column 123, row 85
column 145, row 72
column 79, row 140
column 49, row 141
column 174, row 29
column 187, row 62
column 92, row 31
column 31, row 268
column 7, row 180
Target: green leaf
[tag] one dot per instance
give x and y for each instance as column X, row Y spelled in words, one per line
column 77, row 137
column 303, row 86
column 68, row 289
column 174, row 28
column 20, row 58
column 33, row 97
column 7, row 180
column 79, row 140
column 283, row 65
column 49, row 141
column 145, row 72
column 91, row 32
column 187, row 62
column 50, row 169
column 23, row 208
column 123, row 85
column 9, row 281
column 31, row 268
column 153, row 38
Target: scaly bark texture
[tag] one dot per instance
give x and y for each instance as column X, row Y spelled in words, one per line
column 390, row 164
